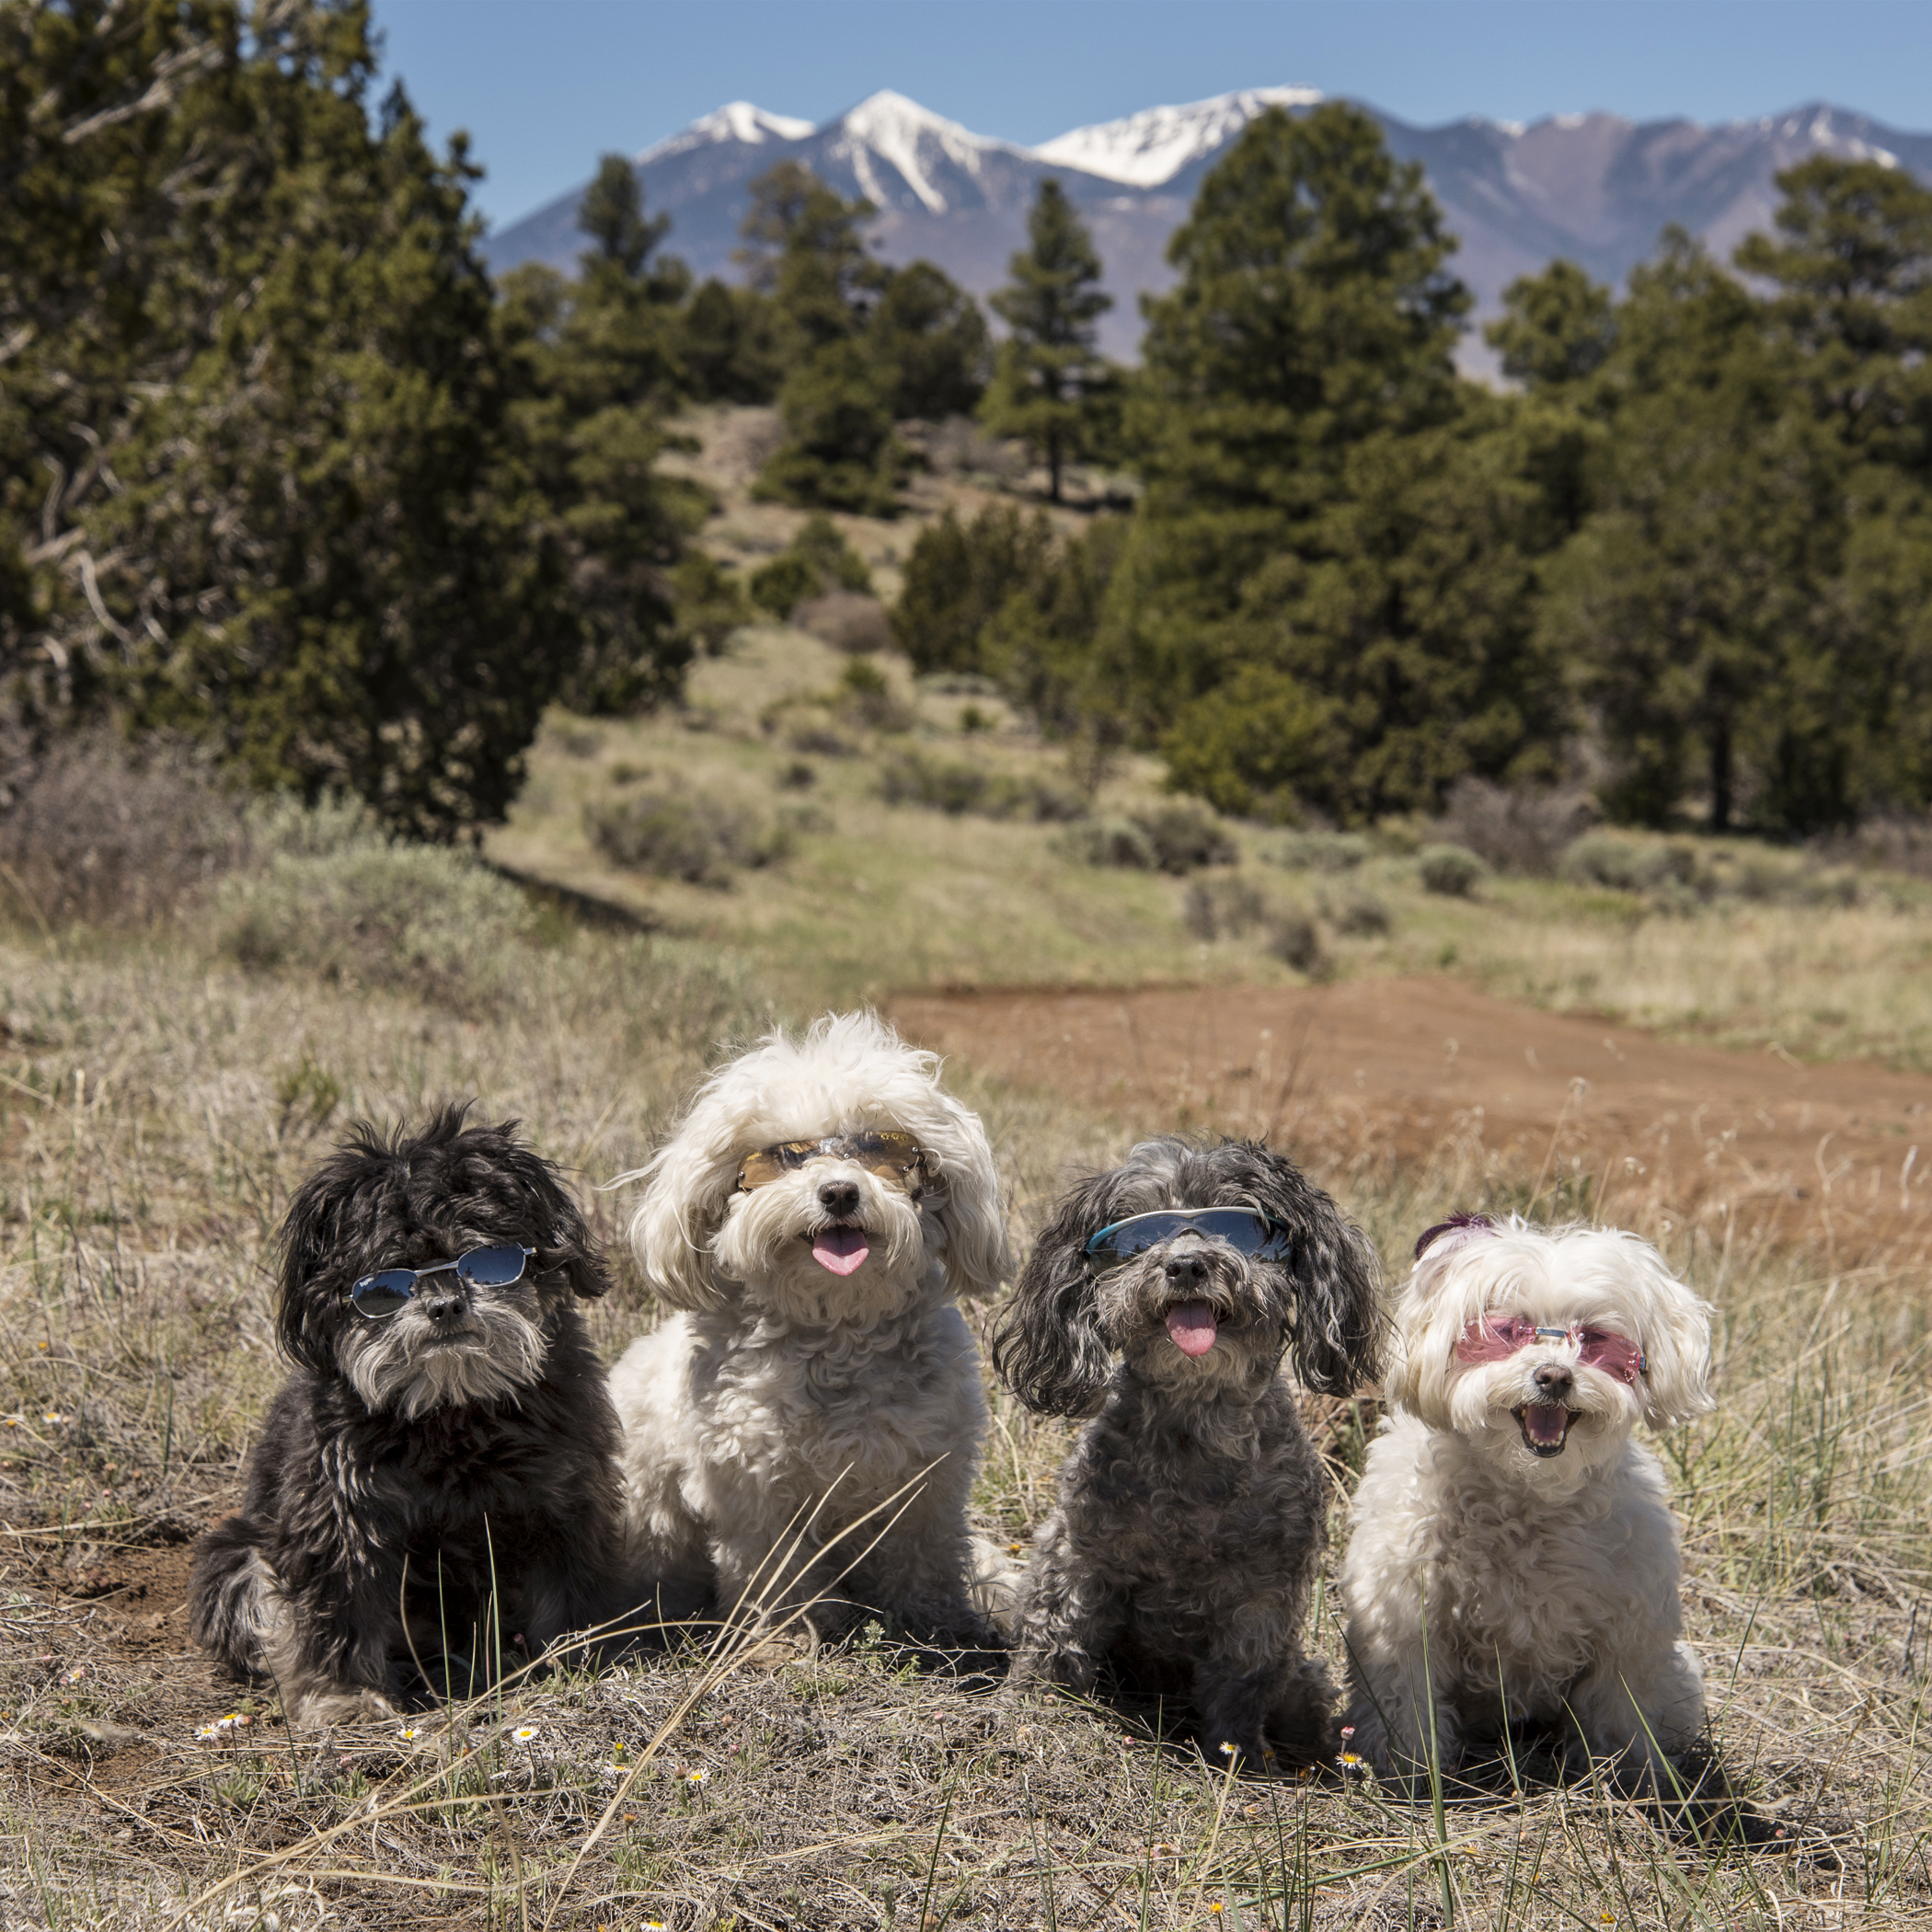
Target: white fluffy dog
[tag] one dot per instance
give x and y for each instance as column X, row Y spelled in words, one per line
column 811, row 1218
column 1513, row 1555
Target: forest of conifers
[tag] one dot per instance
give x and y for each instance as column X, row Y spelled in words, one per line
column 283, row 472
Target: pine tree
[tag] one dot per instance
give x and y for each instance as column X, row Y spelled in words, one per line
column 1049, row 385
column 1557, row 327
column 930, row 332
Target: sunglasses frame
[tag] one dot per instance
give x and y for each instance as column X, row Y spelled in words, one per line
column 1492, row 1339
column 1100, row 1262
column 790, row 1155
column 456, row 1267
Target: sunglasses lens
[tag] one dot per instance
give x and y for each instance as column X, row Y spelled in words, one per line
column 892, row 1157
column 491, row 1267
column 377, row 1295
column 760, row 1169
column 1250, row 1234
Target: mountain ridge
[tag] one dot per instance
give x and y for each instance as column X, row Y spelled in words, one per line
column 1595, row 187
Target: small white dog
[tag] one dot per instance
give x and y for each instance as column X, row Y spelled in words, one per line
column 1513, row 1555
column 811, row 1218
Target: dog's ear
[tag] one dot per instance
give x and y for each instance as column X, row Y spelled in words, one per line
column 560, row 1235
column 314, row 1236
column 671, row 1233
column 1047, row 1344
column 1337, row 1340
column 967, row 1184
column 1676, row 1338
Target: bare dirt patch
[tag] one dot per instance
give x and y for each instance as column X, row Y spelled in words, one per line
column 1391, row 1069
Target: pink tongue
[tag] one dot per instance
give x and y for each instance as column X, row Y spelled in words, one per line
column 1547, row 1421
column 842, row 1249
column 1192, row 1326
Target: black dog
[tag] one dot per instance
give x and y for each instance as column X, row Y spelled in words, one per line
column 435, row 1495
column 1192, row 1509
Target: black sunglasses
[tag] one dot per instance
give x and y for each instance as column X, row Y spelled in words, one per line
column 378, row 1296
column 1256, row 1236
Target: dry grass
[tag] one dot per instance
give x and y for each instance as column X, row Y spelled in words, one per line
column 156, row 1105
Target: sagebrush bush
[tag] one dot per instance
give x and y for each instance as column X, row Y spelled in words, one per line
column 1362, row 916
column 114, row 835
column 1452, row 870
column 955, row 785
column 1629, row 865
column 1186, row 837
column 1295, row 940
column 1107, row 842
column 1223, row 907
column 847, row 620
column 1322, row 851
column 356, row 908
column 1524, row 832
column 699, row 839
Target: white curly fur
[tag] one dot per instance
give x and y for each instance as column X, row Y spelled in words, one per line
column 783, row 1397
column 1544, row 1588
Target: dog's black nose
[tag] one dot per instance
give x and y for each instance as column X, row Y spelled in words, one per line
column 1553, row 1379
column 1187, row 1270
column 441, row 1303
column 839, row 1197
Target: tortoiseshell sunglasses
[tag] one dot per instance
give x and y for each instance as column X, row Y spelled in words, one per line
column 893, row 1156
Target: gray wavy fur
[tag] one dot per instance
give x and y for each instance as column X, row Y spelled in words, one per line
column 1191, row 1514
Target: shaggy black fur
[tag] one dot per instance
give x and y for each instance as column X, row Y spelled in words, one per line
column 415, row 1474
column 1191, row 1509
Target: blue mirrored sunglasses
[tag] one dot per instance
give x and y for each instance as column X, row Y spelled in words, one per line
column 1256, row 1236
column 378, row 1296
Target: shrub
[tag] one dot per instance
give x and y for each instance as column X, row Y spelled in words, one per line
column 1295, row 940
column 845, row 620
column 866, row 699
column 1524, row 832
column 798, row 775
column 1109, row 842
column 1628, row 865
column 1452, row 870
column 1223, row 908
column 1323, row 851
column 955, row 787
column 347, row 903
column 695, row 838
column 958, row 577
column 1185, row 838
column 105, row 831
column 818, row 560
column 1362, row 917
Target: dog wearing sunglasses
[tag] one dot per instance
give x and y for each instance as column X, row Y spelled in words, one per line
column 804, row 1426
column 1512, row 1558
column 1160, row 1301
column 434, row 1496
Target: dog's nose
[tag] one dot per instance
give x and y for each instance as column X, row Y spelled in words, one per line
column 839, row 1197
column 1553, row 1379
column 1187, row 1270
column 441, row 1303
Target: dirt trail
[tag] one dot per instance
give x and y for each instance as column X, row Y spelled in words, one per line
column 1417, row 1068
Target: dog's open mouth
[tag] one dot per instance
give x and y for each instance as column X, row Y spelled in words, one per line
column 1546, row 1427
column 1192, row 1326
column 840, row 1247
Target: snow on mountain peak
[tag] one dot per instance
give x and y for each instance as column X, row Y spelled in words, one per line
column 912, row 138
column 736, row 120
column 1152, row 146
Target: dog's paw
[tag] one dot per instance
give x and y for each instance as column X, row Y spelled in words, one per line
column 332, row 1709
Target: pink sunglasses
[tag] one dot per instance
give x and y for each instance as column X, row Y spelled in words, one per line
column 1495, row 1338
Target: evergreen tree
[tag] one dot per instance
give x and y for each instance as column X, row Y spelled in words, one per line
column 1557, row 327
column 1050, row 386
column 930, row 333
column 959, row 578
column 257, row 421
column 839, row 451
column 1698, row 602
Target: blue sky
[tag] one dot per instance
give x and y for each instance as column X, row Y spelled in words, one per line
column 546, row 85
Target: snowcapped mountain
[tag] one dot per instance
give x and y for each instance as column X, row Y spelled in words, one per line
column 1152, row 146
column 1591, row 187
column 736, row 120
